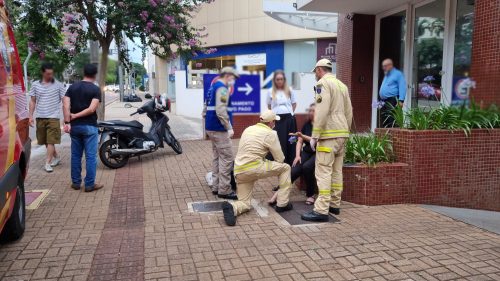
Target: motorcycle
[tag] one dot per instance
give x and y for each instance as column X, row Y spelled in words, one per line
column 121, row 140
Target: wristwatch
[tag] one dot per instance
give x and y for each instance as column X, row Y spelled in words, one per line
column 67, row 122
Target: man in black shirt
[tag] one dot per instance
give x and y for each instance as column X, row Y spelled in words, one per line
column 80, row 119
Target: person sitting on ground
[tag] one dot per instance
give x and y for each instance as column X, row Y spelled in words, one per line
column 303, row 165
column 250, row 165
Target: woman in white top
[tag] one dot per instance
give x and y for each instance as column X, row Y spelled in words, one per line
column 282, row 100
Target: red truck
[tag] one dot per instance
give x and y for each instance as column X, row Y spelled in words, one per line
column 15, row 143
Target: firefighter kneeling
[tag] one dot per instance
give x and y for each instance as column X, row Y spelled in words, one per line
column 250, row 165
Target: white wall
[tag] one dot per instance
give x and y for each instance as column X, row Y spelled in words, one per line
column 189, row 102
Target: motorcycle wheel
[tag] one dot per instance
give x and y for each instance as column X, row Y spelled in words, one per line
column 105, row 154
column 174, row 144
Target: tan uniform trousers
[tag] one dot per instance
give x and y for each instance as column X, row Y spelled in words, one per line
column 329, row 163
column 246, row 180
column 222, row 162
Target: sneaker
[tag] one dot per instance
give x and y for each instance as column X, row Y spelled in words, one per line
column 96, row 186
column 76, row 186
column 230, row 196
column 55, row 161
column 228, row 211
column 335, row 211
column 48, row 168
column 279, row 209
column 209, row 179
column 313, row 216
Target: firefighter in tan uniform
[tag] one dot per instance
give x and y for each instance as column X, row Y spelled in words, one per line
column 256, row 143
column 332, row 124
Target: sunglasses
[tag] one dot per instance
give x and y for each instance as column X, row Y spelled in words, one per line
column 280, row 79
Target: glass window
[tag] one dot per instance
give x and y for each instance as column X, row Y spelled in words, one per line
column 463, row 50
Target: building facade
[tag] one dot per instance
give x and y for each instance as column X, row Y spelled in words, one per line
column 449, row 50
column 247, row 38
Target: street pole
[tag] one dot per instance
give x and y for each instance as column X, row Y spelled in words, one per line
column 25, row 66
column 120, row 79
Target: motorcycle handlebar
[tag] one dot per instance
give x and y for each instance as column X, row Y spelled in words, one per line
column 134, row 113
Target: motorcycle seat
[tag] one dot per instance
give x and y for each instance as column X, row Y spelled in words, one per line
column 133, row 123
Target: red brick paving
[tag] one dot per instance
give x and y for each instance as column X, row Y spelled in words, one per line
column 120, row 252
column 72, row 231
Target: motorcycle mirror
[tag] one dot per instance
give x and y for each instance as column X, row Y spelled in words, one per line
column 148, row 96
column 127, row 105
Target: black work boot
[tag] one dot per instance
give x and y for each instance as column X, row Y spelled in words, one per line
column 228, row 211
column 314, row 216
column 230, row 196
column 335, row 211
column 279, row 209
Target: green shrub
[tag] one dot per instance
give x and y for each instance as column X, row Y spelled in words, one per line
column 141, row 88
column 368, row 149
column 447, row 118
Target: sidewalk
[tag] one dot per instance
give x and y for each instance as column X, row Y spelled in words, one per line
column 141, row 227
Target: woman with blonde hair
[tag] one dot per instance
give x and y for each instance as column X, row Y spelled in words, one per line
column 282, row 100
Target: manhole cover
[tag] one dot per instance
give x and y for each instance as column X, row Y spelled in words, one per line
column 207, row 207
column 299, row 208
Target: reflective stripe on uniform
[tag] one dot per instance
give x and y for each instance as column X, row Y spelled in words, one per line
column 246, row 167
column 212, row 108
column 323, row 149
column 331, row 133
column 337, row 186
column 325, row 192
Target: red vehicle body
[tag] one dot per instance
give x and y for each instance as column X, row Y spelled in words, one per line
column 15, row 144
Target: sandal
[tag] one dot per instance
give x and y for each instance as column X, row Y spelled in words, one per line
column 310, row 201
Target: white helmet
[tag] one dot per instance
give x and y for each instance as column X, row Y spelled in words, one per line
column 162, row 103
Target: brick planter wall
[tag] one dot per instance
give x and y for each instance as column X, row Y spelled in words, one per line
column 449, row 168
column 379, row 185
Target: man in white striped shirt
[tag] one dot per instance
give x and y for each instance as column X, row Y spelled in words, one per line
column 46, row 100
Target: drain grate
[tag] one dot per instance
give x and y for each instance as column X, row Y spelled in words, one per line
column 299, row 208
column 207, row 207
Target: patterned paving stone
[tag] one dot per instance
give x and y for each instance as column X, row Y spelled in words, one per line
column 140, row 228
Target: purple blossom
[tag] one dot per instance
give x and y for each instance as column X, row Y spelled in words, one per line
column 169, row 19
column 121, row 4
column 168, row 35
column 192, row 42
column 427, row 90
column 292, row 139
column 378, row 104
column 198, row 65
column 144, row 15
column 429, row 78
column 149, row 25
column 153, row 3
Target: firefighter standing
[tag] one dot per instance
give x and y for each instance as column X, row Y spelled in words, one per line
column 218, row 126
column 332, row 124
column 250, row 165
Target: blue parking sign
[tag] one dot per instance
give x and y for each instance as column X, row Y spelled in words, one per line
column 245, row 96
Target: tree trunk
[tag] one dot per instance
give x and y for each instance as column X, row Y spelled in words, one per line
column 101, row 78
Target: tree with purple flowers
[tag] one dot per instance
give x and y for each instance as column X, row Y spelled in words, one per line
column 161, row 25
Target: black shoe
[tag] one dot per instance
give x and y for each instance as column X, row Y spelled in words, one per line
column 335, row 211
column 313, row 216
column 276, row 188
column 228, row 211
column 283, row 209
column 76, row 186
column 215, row 192
column 230, row 196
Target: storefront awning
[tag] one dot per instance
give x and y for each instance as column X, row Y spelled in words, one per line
column 369, row 7
column 287, row 13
